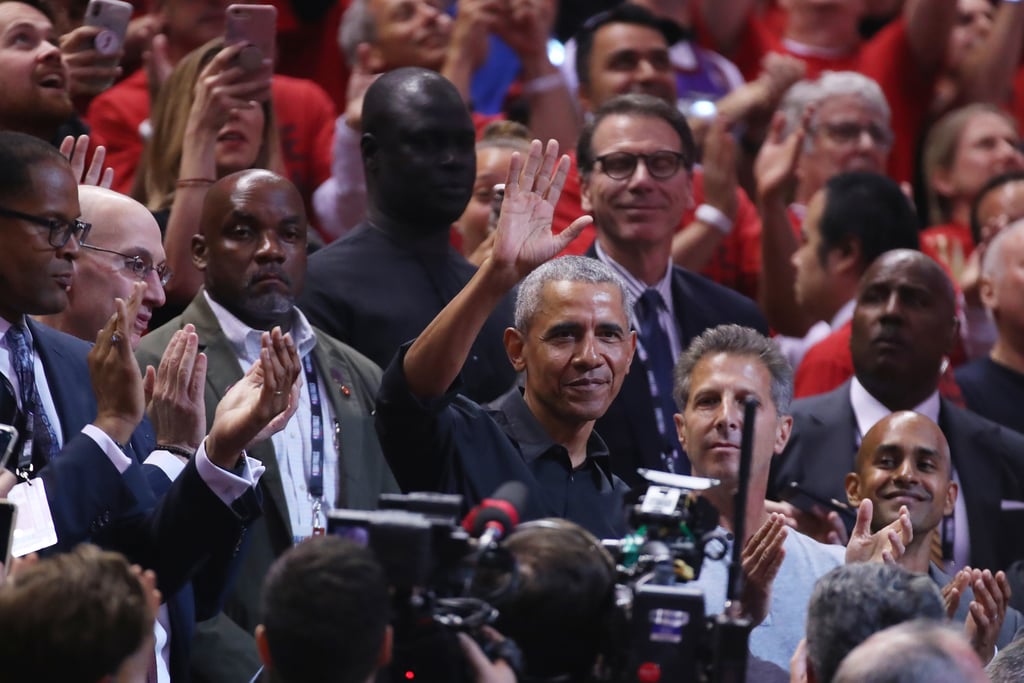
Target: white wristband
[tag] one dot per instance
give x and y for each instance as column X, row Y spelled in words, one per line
column 544, row 83
column 715, row 218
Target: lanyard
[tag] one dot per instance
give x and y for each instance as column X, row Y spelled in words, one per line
column 316, row 464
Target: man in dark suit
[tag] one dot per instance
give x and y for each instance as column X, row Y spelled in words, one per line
column 83, row 449
column 635, row 158
column 252, row 250
column 903, row 326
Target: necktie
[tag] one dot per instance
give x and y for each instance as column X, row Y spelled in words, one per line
column 660, row 370
column 44, row 439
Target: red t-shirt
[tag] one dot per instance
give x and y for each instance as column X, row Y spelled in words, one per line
column 311, row 50
column 736, row 264
column 305, row 122
column 950, row 245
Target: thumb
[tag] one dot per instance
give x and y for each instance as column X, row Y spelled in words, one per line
column 863, row 525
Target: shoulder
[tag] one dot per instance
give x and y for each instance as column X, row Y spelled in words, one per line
column 366, row 368
column 289, row 86
column 154, row 342
column 727, row 303
column 811, row 553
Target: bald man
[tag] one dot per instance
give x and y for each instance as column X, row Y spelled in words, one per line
column 904, row 464
column 251, row 248
column 123, row 247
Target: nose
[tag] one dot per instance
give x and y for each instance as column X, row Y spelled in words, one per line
column 70, row 249
column 586, row 355
column 48, row 52
column 641, row 176
column 892, row 303
column 906, row 471
column 730, row 415
column 269, row 247
column 154, row 297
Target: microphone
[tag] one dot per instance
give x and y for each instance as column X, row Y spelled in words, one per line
column 496, row 516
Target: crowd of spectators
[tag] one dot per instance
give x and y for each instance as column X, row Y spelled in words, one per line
column 242, row 289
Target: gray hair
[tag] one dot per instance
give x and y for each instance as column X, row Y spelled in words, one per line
column 564, row 269
column 831, row 84
column 357, row 26
column 918, row 651
column 853, row 601
column 740, row 341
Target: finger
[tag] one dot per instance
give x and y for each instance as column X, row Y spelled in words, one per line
column 952, row 601
column 1004, row 587
column 544, row 177
column 838, row 528
column 77, row 158
column 167, row 369
column 862, row 526
column 533, row 161
column 776, row 127
column 195, row 389
column 92, row 176
column 108, row 178
column 183, row 378
column 573, row 231
column 148, row 383
column 67, row 146
column 515, row 167
column 558, row 181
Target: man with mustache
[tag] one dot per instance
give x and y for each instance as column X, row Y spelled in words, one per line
column 903, row 327
column 251, row 248
column 904, row 462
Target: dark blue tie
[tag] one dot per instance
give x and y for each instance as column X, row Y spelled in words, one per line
column 44, row 439
column 660, row 366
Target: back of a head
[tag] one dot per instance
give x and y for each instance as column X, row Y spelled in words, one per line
column 562, row 608
column 853, row 601
column 80, row 615
column 1008, row 664
column 870, row 208
column 325, row 609
column 917, row 651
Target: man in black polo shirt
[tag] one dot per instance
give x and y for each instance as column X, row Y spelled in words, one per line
column 571, row 339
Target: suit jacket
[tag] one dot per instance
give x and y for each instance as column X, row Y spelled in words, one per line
column 988, row 458
column 224, row 650
column 629, row 426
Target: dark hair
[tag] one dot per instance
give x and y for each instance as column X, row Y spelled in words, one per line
column 42, row 5
column 325, row 607
column 634, row 105
column 870, row 208
column 853, row 601
column 625, row 13
column 19, row 153
column 73, row 617
column 993, row 183
column 561, row 611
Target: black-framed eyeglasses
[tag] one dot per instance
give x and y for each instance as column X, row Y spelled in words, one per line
column 662, row 164
column 850, row 132
column 137, row 266
column 60, row 230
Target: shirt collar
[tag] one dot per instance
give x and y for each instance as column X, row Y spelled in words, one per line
column 246, row 341
column 524, row 428
column 634, row 286
column 869, row 411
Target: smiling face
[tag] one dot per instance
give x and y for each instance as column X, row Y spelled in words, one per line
column 575, row 351
column 711, row 424
column 34, row 276
column 988, row 145
column 628, row 58
column 904, row 460
column 33, row 79
column 641, row 210
column 253, row 247
column 409, row 33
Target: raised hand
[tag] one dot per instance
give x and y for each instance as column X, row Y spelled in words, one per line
column 762, row 556
column 116, row 379
column 775, row 166
column 987, row 611
column 75, row 150
column 523, row 237
column 89, row 72
column 259, row 404
column 175, row 400
column 885, row 545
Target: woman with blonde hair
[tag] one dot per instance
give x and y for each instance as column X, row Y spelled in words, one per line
column 211, row 118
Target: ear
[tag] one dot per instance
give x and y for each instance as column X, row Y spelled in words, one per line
column 386, row 647
column 199, row 252
column 853, row 489
column 585, row 191
column 583, row 95
column 263, row 647
column 951, row 493
column 368, row 149
column 783, row 429
column 680, row 421
column 847, row 258
column 514, row 344
column 954, row 335
column 987, row 292
column 632, row 351
column 373, row 59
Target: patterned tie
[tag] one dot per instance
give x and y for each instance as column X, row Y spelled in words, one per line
column 44, row 439
column 660, row 366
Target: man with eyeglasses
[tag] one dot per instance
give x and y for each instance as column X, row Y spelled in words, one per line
column 122, row 248
column 635, row 159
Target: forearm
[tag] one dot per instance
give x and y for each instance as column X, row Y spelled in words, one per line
column 929, row 23
column 988, row 70
column 197, row 165
column 778, row 243
column 458, row 68
column 438, row 354
column 553, row 112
